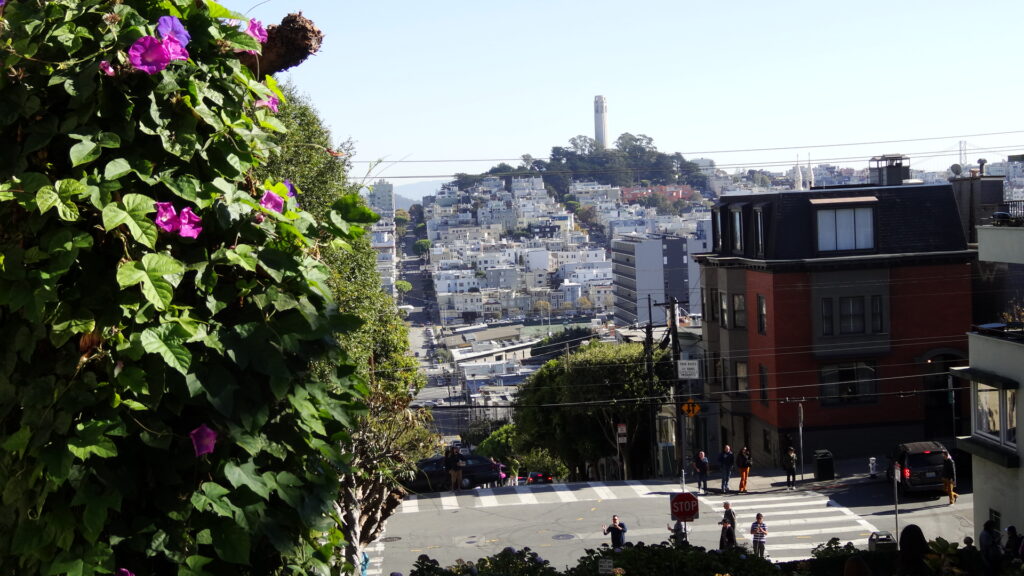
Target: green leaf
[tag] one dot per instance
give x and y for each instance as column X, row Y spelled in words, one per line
column 231, row 542
column 244, row 256
column 116, row 168
column 61, row 198
column 133, row 211
column 168, row 341
column 92, row 440
column 157, row 273
column 84, row 152
column 18, row 441
column 245, row 475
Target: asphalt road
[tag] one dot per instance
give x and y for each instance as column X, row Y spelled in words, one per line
column 561, row 521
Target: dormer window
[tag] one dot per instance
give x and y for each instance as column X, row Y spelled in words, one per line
column 737, row 230
column 845, row 228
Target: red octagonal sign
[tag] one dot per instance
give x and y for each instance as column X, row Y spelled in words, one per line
column 685, row 507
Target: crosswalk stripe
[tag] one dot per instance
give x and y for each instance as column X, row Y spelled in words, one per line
column 817, row 531
column 603, row 492
column 449, row 501
column 805, row 521
column 819, row 502
column 486, row 498
column 642, row 490
column 564, row 493
column 410, row 503
column 749, row 515
column 768, row 547
column 745, row 499
column 526, row 495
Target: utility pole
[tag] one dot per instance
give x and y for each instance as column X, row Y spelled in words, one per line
column 649, row 361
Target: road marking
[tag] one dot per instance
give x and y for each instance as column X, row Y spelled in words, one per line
column 564, row 493
column 449, row 501
column 486, row 498
column 526, row 495
column 857, row 542
column 603, row 492
column 642, row 490
column 410, row 504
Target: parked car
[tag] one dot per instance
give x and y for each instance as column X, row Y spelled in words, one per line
column 540, row 478
column 432, row 477
column 918, row 465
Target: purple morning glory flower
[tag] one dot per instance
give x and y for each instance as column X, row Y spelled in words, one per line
column 171, row 27
column 167, row 217
column 190, row 227
column 256, row 30
column 175, row 50
column 2, row 2
column 203, row 440
column 272, row 201
column 271, row 103
column 120, row 571
column 106, row 68
column 290, row 187
column 149, row 55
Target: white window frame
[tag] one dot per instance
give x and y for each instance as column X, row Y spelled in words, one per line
column 1006, row 407
column 846, row 229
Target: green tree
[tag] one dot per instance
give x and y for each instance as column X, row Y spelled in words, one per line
column 567, row 406
column 173, row 390
column 401, row 221
column 390, row 436
column 403, row 288
column 422, row 247
column 416, row 213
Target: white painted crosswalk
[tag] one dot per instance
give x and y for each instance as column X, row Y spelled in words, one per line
column 797, row 521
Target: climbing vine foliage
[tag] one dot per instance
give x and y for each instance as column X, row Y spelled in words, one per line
column 159, row 308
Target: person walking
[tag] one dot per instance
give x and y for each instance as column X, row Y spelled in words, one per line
column 743, row 462
column 726, row 460
column 701, row 466
column 759, row 532
column 789, row 464
column 727, row 539
column 618, row 531
column 949, row 476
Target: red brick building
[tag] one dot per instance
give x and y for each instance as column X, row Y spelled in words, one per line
column 851, row 303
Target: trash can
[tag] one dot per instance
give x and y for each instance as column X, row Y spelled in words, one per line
column 824, row 466
column 881, row 541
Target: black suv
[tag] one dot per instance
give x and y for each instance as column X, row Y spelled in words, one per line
column 918, row 464
column 432, row 477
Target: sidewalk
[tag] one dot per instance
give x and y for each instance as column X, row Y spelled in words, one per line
column 848, row 471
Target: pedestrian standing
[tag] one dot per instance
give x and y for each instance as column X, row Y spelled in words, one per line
column 759, row 532
column 701, row 466
column 453, row 463
column 1013, row 543
column 618, row 531
column 726, row 460
column 744, row 461
column 949, row 476
column 990, row 546
column 789, row 464
column 727, row 539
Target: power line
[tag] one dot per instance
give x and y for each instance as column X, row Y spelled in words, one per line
column 725, row 151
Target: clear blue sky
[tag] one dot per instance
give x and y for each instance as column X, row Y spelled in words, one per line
column 459, row 80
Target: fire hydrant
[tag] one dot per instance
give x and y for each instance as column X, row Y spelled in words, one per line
column 872, row 467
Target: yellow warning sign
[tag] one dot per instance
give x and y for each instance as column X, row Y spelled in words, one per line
column 690, row 408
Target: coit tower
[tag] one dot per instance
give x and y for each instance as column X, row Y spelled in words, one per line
column 601, row 121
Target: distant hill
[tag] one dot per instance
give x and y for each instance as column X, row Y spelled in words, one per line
column 404, row 203
column 417, row 190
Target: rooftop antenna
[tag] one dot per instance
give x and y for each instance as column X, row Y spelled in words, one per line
column 956, row 169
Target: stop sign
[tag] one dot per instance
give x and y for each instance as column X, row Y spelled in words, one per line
column 685, row 507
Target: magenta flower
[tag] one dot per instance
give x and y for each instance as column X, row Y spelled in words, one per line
column 106, row 68
column 256, row 30
column 122, row 571
column 190, row 224
column 167, row 217
column 171, row 27
column 271, row 103
column 149, row 55
column 203, row 440
column 175, row 50
column 272, row 201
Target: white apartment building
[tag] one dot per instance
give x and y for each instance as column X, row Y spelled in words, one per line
column 381, row 199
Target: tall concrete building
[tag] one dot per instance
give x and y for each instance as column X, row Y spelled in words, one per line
column 381, row 199
column 601, row 121
column 651, row 265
